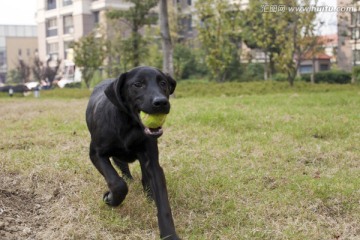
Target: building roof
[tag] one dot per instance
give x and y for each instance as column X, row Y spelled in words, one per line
column 317, row 56
column 18, row 31
column 328, row 40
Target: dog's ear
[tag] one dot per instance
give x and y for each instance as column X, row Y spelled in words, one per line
column 113, row 92
column 172, row 83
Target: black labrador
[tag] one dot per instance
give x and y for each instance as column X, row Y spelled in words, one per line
column 112, row 117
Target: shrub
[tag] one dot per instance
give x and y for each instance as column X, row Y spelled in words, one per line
column 332, row 76
column 252, row 72
column 356, row 73
column 280, row 77
column 73, row 85
column 187, row 62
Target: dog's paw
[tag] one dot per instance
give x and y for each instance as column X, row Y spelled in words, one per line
column 171, row 237
column 110, row 200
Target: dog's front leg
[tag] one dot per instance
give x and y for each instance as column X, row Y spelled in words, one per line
column 117, row 186
column 155, row 178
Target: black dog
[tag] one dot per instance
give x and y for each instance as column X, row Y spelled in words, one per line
column 116, row 130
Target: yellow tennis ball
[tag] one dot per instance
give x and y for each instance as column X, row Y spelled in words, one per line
column 152, row 120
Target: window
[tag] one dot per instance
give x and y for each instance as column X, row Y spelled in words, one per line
column 324, row 67
column 186, row 24
column 68, row 24
column 51, row 4
column 52, row 50
column 306, row 69
column 67, row 2
column 51, row 27
column 355, row 18
column 67, row 46
column 189, row 23
column 96, row 16
column 19, row 52
column 2, row 57
column 355, row 33
column 356, row 56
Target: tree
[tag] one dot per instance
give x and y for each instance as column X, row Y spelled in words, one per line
column 167, row 47
column 259, row 32
column 294, row 32
column 38, row 69
column 116, row 58
column 135, row 17
column 14, row 76
column 219, row 35
column 89, row 55
column 23, row 70
column 281, row 31
column 45, row 72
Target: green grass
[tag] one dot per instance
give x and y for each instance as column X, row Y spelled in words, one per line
column 247, row 164
column 204, row 88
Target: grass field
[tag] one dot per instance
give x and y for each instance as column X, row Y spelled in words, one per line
column 248, row 164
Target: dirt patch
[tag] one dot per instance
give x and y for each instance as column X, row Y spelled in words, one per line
column 22, row 212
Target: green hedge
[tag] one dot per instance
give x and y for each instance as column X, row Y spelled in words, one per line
column 73, row 85
column 333, row 76
column 356, row 73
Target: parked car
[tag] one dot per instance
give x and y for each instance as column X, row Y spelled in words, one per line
column 20, row 88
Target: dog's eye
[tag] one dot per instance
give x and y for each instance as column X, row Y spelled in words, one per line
column 163, row 84
column 138, row 84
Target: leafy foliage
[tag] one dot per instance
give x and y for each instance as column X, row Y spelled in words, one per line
column 89, row 55
column 43, row 71
column 295, row 35
column 14, row 76
column 259, row 31
column 184, row 62
column 137, row 16
column 23, row 71
column 282, row 35
column 356, row 73
column 219, row 35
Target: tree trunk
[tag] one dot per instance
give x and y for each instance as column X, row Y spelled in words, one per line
column 266, row 67
column 271, row 65
column 168, row 65
column 312, row 79
column 136, row 45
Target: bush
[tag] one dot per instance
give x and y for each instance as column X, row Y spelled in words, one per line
column 73, row 85
column 186, row 62
column 356, row 73
column 280, row 77
column 333, row 76
column 254, row 71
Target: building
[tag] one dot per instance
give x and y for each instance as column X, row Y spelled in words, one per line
column 348, row 54
column 16, row 42
column 317, row 62
column 330, row 45
column 61, row 22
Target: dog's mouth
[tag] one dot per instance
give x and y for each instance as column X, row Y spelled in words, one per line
column 154, row 132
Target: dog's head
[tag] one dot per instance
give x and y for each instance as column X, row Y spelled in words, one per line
column 145, row 89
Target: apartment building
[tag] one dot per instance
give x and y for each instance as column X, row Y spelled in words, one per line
column 16, row 42
column 348, row 54
column 61, row 22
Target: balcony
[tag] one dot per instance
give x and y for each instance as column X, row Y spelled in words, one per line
column 51, row 32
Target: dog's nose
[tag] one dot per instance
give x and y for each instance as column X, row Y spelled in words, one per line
column 160, row 102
